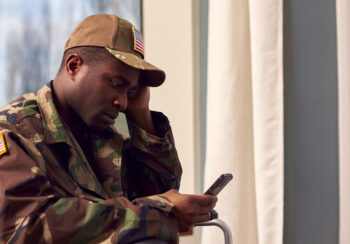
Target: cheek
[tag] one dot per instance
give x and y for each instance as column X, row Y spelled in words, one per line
column 100, row 100
column 94, row 100
column 94, row 97
column 96, row 103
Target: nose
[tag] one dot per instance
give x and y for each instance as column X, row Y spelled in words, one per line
column 121, row 102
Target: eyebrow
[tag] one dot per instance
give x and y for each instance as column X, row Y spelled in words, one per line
column 125, row 81
column 118, row 77
column 122, row 78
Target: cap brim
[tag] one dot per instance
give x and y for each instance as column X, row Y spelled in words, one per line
column 150, row 74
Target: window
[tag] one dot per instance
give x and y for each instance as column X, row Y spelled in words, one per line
column 33, row 34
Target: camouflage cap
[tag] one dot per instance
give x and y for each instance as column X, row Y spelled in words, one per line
column 120, row 38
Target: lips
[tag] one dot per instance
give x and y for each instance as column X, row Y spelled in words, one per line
column 110, row 117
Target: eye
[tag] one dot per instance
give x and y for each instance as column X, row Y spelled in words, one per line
column 116, row 84
column 132, row 93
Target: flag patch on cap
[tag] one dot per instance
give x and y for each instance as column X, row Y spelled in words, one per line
column 3, row 148
column 138, row 41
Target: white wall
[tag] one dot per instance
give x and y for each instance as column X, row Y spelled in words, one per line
column 170, row 43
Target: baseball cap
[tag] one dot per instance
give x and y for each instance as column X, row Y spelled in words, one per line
column 120, row 38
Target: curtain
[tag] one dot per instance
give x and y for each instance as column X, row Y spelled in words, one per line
column 245, row 118
column 343, row 37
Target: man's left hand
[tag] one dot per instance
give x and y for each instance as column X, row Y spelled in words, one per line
column 138, row 110
column 140, row 101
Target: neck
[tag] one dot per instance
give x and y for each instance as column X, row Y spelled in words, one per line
column 68, row 115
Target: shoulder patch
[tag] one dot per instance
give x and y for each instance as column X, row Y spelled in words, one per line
column 3, row 147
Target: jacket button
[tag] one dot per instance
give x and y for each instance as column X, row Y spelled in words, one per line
column 165, row 145
column 147, row 143
column 160, row 204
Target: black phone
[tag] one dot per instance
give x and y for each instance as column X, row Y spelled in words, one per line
column 219, row 184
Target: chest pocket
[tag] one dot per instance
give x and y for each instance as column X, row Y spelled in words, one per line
column 108, row 164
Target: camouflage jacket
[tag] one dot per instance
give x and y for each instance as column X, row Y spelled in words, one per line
column 49, row 193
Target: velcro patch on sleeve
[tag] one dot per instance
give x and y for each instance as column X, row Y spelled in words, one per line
column 3, row 147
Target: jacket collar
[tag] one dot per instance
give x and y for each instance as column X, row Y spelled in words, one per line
column 55, row 131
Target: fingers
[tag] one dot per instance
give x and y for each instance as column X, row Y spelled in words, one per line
column 191, row 209
column 206, row 204
column 204, row 210
column 140, row 100
column 203, row 218
column 206, row 200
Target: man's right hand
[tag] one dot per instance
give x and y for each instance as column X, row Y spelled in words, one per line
column 190, row 209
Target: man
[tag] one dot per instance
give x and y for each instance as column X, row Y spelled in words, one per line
column 66, row 175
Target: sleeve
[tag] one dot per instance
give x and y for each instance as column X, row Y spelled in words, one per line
column 150, row 163
column 32, row 210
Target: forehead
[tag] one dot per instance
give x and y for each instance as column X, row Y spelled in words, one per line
column 114, row 68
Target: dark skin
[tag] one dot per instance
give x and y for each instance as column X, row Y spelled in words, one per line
column 95, row 94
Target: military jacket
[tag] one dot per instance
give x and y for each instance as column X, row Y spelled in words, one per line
column 50, row 193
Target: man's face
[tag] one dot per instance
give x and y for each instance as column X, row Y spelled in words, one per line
column 102, row 91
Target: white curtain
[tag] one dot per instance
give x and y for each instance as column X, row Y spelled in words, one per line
column 245, row 118
column 343, row 37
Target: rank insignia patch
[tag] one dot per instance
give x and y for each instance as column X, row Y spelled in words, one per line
column 3, row 148
column 138, row 41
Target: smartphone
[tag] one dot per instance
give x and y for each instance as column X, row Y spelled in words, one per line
column 219, row 184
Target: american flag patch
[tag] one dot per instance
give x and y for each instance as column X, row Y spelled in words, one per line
column 138, row 41
column 3, row 148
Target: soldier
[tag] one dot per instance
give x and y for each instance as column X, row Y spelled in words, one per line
column 67, row 176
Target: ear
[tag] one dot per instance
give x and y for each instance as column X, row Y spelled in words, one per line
column 73, row 65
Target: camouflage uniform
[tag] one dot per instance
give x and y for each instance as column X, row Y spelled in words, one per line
column 49, row 193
